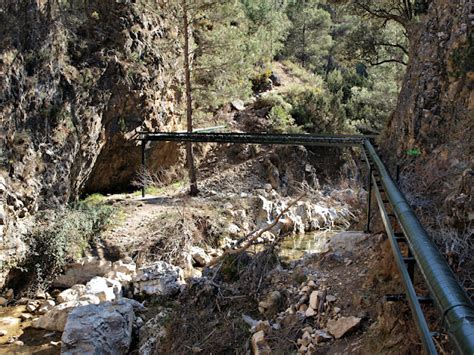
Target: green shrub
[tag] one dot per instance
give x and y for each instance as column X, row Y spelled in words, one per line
column 315, row 110
column 272, row 100
column 63, row 236
column 281, row 120
column 261, row 81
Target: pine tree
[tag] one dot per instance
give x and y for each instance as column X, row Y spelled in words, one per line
column 309, row 39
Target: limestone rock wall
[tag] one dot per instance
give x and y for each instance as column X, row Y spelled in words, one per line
column 77, row 80
column 435, row 114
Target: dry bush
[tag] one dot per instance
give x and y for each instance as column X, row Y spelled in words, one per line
column 159, row 178
column 172, row 234
column 426, row 191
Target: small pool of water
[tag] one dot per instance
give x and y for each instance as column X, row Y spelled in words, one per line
column 34, row 341
column 295, row 247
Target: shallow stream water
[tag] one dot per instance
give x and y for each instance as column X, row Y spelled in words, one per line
column 35, row 341
column 295, row 247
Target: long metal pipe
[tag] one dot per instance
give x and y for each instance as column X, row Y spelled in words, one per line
column 258, row 138
column 455, row 306
column 411, row 295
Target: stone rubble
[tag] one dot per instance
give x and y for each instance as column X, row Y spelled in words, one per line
column 312, row 303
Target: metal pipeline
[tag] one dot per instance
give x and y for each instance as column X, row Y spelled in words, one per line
column 449, row 297
column 257, row 138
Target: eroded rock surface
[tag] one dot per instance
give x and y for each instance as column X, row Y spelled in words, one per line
column 105, row 328
column 159, row 278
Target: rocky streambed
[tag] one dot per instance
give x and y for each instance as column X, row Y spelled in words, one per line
column 103, row 305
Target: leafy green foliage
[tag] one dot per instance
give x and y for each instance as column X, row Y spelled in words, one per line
column 63, row 236
column 233, row 39
column 414, row 152
column 282, row 121
column 309, row 39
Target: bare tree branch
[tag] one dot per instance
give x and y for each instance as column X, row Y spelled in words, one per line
column 254, row 235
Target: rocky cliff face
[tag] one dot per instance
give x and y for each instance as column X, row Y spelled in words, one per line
column 77, row 80
column 431, row 130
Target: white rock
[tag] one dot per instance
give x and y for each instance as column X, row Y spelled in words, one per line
column 250, row 321
column 159, row 278
column 31, row 306
column 233, row 230
column 105, row 328
column 239, row 105
column 9, row 321
column 200, row 256
column 120, row 277
column 310, row 312
column 25, row 316
column 343, row 325
column 83, row 271
column 105, row 289
column 264, row 210
column 71, row 294
column 152, row 332
column 46, row 306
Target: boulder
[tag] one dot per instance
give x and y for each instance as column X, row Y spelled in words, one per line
column 159, row 278
column 119, row 277
column 199, row 256
column 55, row 319
column 339, row 327
column 83, row 271
column 71, row 294
column 238, row 105
column 315, row 299
column 3, row 301
column 105, row 328
column 105, row 289
column 126, row 266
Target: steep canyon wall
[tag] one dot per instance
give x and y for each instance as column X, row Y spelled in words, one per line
column 77, row 80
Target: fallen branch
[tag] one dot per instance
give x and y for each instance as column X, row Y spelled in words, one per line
column 250, row 241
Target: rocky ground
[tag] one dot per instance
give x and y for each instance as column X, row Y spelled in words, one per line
column 150, row 286
column 225, row 272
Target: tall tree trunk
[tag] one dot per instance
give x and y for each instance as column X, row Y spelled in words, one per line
column 193, row 189
column 303, row 46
